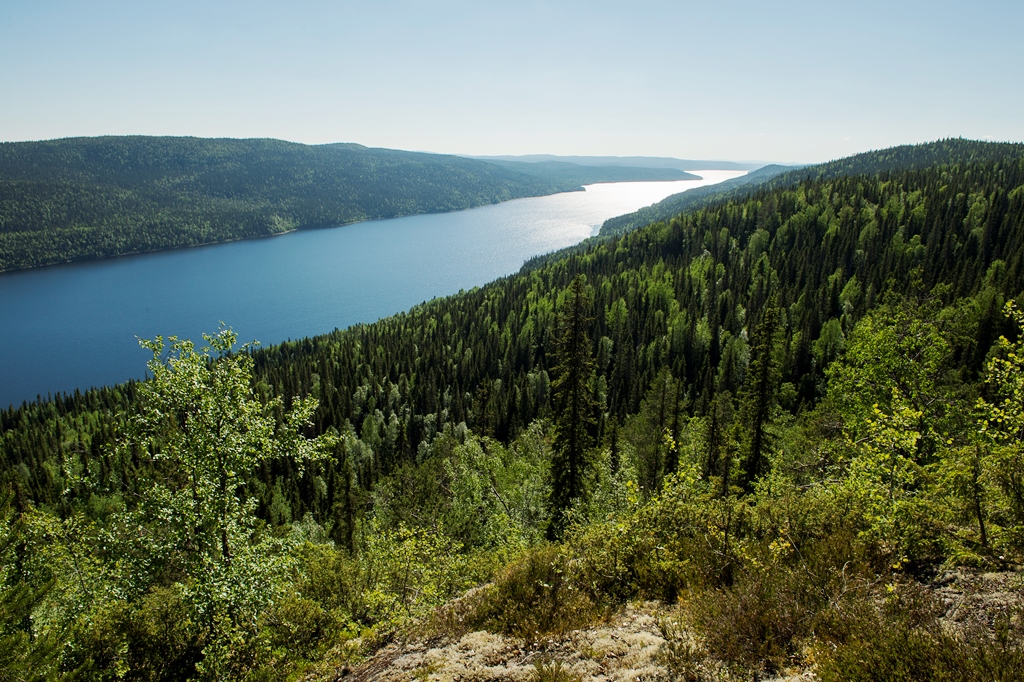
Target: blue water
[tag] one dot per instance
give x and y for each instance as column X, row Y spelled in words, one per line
column 75, row 326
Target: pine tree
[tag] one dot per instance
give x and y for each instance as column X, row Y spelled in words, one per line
column 574, row 403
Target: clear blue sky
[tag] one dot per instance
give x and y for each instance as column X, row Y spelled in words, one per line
column 784, row 81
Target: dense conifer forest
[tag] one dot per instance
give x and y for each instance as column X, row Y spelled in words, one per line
column 686, row 201
column 778, row 415
column 84, row 198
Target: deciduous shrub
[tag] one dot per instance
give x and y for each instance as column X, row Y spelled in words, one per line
column 902, row 639
column 536, row 595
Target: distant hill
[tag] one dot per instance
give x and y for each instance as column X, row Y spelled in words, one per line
column 677, row 203
column 627, row 161
column 574, row 173
column 901, row 158
column 952, row 151
column 664, row 210
column 85, row 198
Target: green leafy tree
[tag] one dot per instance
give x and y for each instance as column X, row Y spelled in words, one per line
column 205, row 432
column 886, row 478
column 25, row 653
column 408, row 572
column 900, row 357
column 902, row 409
column 1002, row 422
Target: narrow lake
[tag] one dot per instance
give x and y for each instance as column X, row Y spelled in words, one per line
column 75, row 326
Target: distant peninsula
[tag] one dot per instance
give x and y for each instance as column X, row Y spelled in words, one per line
column 582, row 174
column 87, row 198
column 663, row 162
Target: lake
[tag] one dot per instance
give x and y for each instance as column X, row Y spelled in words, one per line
column 75, row 326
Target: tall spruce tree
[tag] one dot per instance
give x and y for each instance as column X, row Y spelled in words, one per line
column 758, row 396
column 574, row 403
column 719, row 452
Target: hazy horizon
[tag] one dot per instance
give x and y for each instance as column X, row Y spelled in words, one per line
column 796, row 82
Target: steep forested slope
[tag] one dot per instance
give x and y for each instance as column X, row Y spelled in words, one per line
column 688, row 200
column 81, row 198
column 802, row 402
column 683, row 295
column 906, row 157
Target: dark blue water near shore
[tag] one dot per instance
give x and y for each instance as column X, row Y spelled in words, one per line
column 75, row 326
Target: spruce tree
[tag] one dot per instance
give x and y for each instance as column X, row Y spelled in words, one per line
column 574, row 403
column 758, row 396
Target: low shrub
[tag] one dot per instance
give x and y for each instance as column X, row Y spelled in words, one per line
column 552, row 672
column 779, row 600
column 538, row 594
column 302, row 627
column 155, row 639
column 903, row 639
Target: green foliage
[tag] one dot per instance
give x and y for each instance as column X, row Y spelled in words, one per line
column 25, row 652
column 757, row 399
column 681, row 295
column 689, row 200
column 661, row 412
column 301, row 627
column 574, row 404
column 82, row 198
column 408, row 573
column 486, row 496
column 153, row 638
column 963, row 498
column 905, row 157
column 903, row 640
column 446, row 430
column 332, row 579
column 206, row 432
column 538, row 594
column 886, row 477
column 64, row 552
column 903, row 406
column 552, row 671
column 1002, row 422
column 170, row 581
column 900, row 357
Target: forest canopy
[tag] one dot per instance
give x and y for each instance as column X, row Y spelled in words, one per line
column 84, row 198
column 779, row 416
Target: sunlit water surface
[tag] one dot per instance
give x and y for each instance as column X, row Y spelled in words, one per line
column 75, row 326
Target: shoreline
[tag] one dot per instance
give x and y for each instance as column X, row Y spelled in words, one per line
column 306, row 228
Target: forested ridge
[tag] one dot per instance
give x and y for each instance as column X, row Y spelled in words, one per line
column 685, row 201
column 663, row 210
column 84, row 198
column 907, row 157
column 572, row 173
column 627, row 161
column 778, row 414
